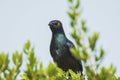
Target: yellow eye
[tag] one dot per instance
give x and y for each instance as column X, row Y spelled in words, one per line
column 58, row 24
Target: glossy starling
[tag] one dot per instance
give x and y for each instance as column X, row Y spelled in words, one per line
column 60, row 49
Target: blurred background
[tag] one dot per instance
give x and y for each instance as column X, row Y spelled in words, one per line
column 22, row 20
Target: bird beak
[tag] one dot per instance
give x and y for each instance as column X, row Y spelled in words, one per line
column 50, row 24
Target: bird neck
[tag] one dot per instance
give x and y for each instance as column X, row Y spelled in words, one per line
column 54, row 35
column 58, row 31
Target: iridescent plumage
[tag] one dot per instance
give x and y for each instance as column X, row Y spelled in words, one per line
column 60, row 49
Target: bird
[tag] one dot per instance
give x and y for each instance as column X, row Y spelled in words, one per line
column 60, row 49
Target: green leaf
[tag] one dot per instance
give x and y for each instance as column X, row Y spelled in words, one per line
column 24, row 77
column 76, row 53
column 77, row 4
column 84, row 28
column 118, row 78
column 70, row 14
column 4, row 61
column 17, row 58
column 27, row 45
column 52, row 69
column 102, row 52
column 71, row 1
column 93, row 40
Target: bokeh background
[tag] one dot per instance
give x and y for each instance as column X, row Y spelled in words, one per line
column 22, row 20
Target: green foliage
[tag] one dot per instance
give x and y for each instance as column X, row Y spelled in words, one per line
column 3, row 62
column 86, row 47
column 85, row 50
column 35, row 71
column 7, row 72
column 92, row 40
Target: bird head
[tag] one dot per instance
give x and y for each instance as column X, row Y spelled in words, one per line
column 56, row 26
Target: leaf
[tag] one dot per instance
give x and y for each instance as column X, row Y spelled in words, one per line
column 27, row 45
column 92, row 40
column 84, row 28
column 52, row 70
column 4, row 62
column 24, row 77
column 102, row 52
column 17, row 58
column 71, row 1
column 70, row 14
column 77, row 4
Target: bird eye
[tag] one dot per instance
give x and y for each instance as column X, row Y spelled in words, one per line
column 58, row 24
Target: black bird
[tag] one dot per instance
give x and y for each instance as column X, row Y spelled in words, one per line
column 60, row 49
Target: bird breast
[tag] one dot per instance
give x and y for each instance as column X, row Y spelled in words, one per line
column 60, row 40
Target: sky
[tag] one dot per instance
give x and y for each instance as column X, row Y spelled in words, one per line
column 22, row 20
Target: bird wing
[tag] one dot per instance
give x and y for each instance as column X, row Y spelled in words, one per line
column 70, row 44
column 79, row 64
